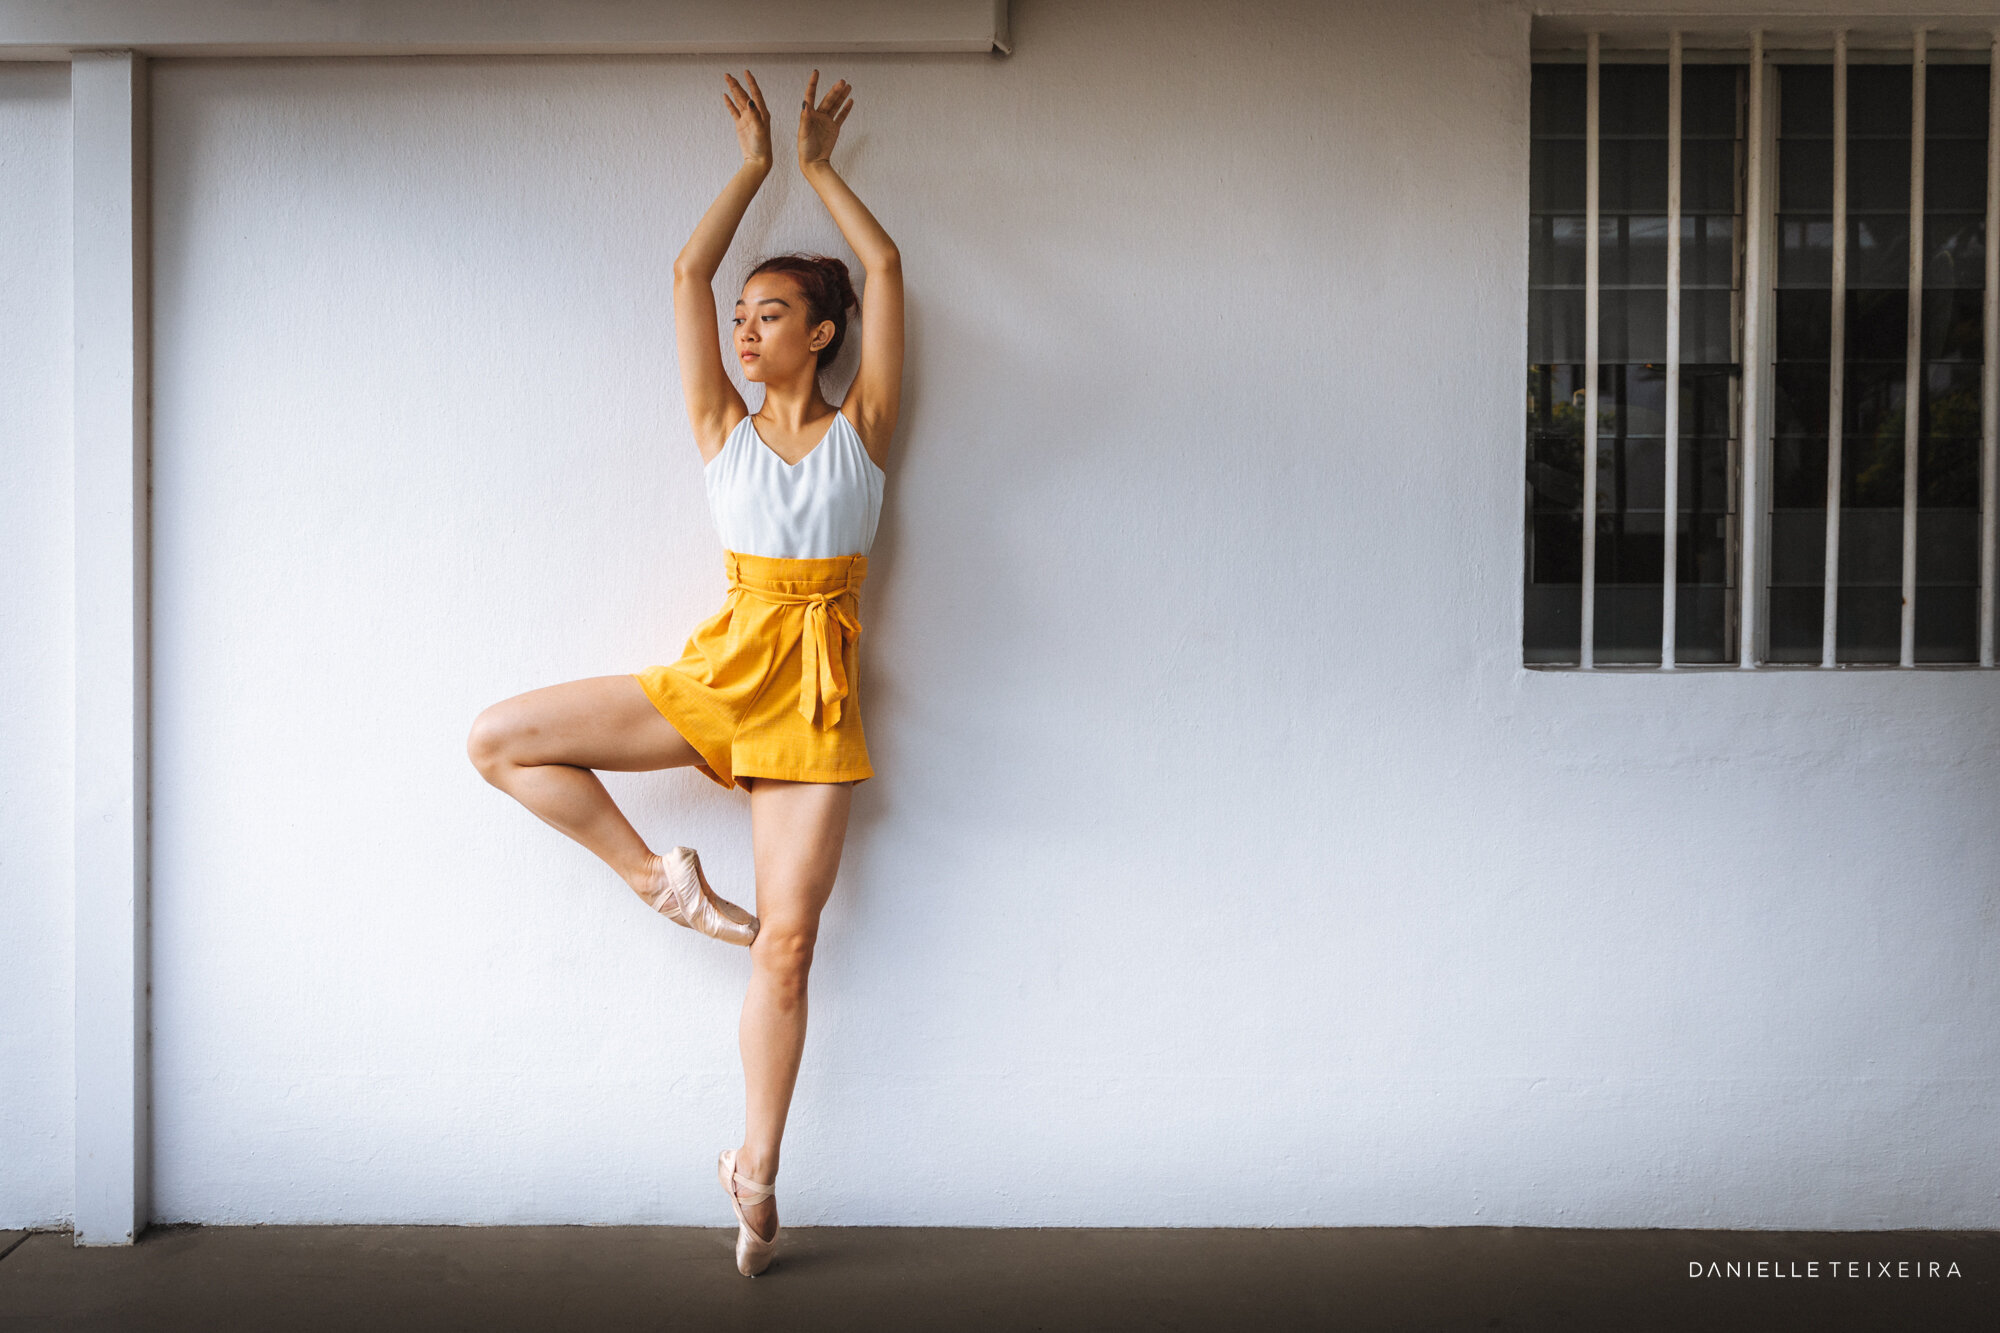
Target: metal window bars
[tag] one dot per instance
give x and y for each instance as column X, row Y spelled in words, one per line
column 1753, row 405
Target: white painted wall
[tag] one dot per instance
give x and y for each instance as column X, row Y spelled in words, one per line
column 37, row 650
column 1224, row 866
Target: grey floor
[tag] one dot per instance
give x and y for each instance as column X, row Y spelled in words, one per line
column 887, row 1278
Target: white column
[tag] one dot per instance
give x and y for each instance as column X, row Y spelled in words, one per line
column 108, row 105
column 1586, row 656
column 1670, row 503
column 1913, row 352
column 1751, row 446
column 1836, row 392
column 1989, row 444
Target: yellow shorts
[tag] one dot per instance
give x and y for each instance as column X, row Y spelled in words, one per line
column 769, row 686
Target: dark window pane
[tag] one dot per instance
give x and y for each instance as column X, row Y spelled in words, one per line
column 1878, row 103
column 1704, row 487
column 1553, row 622
column 1872, row 400
column 1878, row 323
column 1632, row 175
column 1632, row 251
column 1871, row 548
column 1955, row 250
column 1555, row 251
column 1627, row 623
column 1878, row 252
column 1797, row 622
column 1799, row 404
column 1878, row 173
column 1805, row 251
column 1947, row 628
column 1948, row 546
column 1710, row 95
column 1949, row 406
column 1708, row 327
column 1954, row 101
column 1557, row 556
column 1805, row 175
column 1954, row 174
column 1806, row 101
column 1632, row 325
column 1803, row 330
column 1555, row 326
column 1632, row 100
column 1952, row 324
column 1631, row 477
column 1556, row 176
column 1701, row 622
column 1556, row 104
column 1708, row 252
column 1870, row 623
column 1708, row 175
column 1948, row 474
column 1798, row 548
column 1798, row 472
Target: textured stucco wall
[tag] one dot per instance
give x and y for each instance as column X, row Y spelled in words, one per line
column 37, row 650
column 1224, row 866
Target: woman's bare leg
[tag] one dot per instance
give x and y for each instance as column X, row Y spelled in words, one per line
column 540, row 748
column 797, row 830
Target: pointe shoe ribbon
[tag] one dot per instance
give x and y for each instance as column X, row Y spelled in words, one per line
column 687, row 899
column 753, row 1252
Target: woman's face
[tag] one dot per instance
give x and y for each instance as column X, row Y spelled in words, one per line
column 773, row 341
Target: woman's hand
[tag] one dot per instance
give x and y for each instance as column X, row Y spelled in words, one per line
column 753, row 119
column 819, row 125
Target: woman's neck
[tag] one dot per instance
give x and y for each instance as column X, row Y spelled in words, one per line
column 791, row 409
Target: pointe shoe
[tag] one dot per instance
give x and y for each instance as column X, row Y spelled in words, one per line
column 722, row 904
column 687, row 899
column 753, row 1252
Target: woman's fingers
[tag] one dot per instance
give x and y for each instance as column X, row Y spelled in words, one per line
column 819, row 126
column 753, row 103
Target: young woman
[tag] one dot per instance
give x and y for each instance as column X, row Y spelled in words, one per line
column 766, row 693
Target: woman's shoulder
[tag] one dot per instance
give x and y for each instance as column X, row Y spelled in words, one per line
column 846, row 414
column 729, row 438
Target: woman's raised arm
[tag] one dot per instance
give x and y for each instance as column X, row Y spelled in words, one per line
column 713, row 404
column 876, row 396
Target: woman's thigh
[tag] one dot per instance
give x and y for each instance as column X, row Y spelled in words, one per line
column 602, row 722
column 797, row 830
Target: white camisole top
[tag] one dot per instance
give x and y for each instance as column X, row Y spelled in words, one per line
column 826, row 504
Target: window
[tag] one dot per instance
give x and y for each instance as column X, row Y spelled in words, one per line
column 1692, row 216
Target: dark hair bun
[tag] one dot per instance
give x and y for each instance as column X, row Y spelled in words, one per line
column 829, row 293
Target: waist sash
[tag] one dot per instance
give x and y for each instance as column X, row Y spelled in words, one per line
column 829, row 625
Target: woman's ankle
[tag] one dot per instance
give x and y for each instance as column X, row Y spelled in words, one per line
column 643, row 877
column 762, row 1167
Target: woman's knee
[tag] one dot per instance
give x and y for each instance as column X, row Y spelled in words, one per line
column 490, row 744
column 785, row 950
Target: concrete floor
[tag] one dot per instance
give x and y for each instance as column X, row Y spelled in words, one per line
column 880, row 1278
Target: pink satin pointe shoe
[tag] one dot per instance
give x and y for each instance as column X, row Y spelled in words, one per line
column 687, row 899
column 753, row 1252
